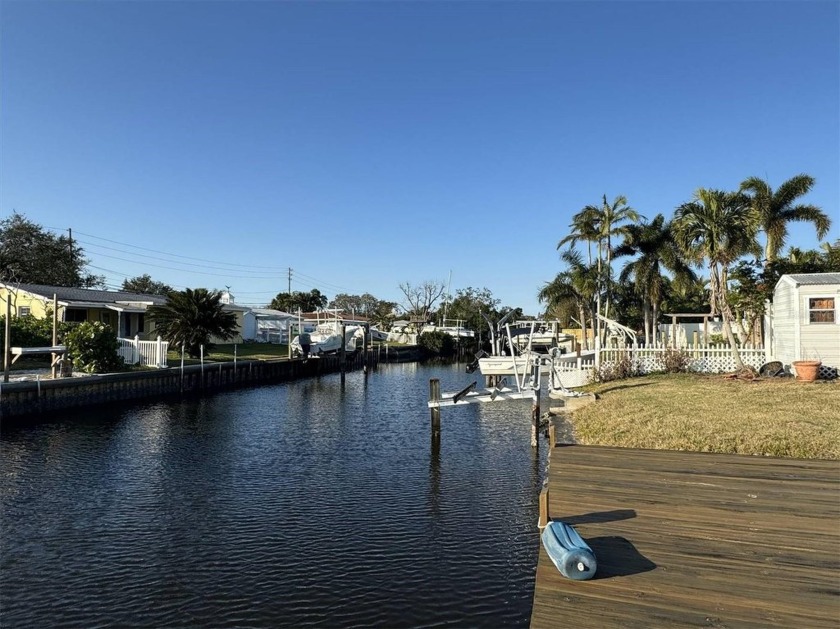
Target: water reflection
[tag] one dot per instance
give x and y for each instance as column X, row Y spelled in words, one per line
column 306, row 504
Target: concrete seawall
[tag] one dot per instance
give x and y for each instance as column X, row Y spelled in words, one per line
column 28, row 397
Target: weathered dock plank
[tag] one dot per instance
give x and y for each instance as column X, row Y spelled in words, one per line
column 694, row 540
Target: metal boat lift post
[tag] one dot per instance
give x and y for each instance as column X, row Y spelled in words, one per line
column 528, row 387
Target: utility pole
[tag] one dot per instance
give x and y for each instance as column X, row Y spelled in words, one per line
column 290, row 281
column 70, row 236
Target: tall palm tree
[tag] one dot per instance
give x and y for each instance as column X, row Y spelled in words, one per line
column 775, row 209
column 584, row 227
column 656, row 250
column 572, row 289
column 717, row 228
column 190, row 318
column 599, row 224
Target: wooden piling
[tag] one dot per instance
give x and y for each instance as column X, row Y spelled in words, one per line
column 434, row 412
column 544, row 508
column 343, row 352
column 552, row 435
column 535, row 420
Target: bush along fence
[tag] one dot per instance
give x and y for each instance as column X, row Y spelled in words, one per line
column 709, row 359
column 622, row 362
column 43, row 396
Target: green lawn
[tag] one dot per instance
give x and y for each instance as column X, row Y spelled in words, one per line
column 244, row 351
column 770, row 416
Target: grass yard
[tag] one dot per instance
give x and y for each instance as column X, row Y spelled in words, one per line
column 770, row 416
column 224, row 353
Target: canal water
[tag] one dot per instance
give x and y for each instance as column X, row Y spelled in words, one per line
column 303, row 504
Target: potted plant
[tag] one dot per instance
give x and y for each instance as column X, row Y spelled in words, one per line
column 807, row 369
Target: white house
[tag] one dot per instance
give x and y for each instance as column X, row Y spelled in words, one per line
column 805, row 319
column 266, row 325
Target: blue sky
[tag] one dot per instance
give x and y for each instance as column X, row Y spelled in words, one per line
column 369, row 144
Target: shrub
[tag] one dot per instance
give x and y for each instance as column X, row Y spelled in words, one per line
column 93, row 347
column 676, row 361
column 27, row 332
column 437, row 343
column 616, row 370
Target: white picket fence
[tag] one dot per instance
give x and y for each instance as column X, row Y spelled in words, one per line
column 148, row 353
column 711, row 359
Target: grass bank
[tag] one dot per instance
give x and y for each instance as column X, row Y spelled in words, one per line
column 772, row 416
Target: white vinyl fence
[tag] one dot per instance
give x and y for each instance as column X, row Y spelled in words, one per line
column 711, row 359
column 148, row 353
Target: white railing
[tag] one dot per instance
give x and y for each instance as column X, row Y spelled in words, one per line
column 148, row 353
column 711, row 359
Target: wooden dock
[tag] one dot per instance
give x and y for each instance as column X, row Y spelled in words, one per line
column 688, row 539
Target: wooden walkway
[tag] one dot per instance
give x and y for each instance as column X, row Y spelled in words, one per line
column 694, row 540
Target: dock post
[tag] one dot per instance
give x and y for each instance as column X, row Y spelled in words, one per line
column 552, row 435
column 434, row 396
column 365, row 350
column 343, row 352
column 544, row 510
column 535, row 419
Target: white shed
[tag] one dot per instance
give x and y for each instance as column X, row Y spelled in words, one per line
column 805, row 319
column 265, row 325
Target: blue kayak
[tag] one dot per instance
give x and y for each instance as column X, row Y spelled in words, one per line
column 567, row 550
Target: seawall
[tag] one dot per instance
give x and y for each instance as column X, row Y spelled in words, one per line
column 44, row 396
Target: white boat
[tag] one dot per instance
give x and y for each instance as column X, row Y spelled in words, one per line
column 451, row 327
column 378, row 335
column 326, row 339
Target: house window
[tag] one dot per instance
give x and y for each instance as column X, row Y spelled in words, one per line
column 75, row 315
column 821, row 310
column 105, row 317
column 24, row 311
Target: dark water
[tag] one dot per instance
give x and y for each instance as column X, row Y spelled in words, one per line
column 303, row 504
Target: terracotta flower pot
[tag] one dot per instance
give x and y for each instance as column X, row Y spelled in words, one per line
column 807, row 370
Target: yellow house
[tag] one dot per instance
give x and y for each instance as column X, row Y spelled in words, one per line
column 124, row 312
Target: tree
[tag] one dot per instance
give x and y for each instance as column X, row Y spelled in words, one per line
column 653, row 244
column 470, row 304
column 774, row 210
column 31, row 255
column 145, row 285
column 421, row 299
column 600, row 224
column 377, row 311
column 572, row 290
column 717, row 228
column 190, row 318
column 306, row 302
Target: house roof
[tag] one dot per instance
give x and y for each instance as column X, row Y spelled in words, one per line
column 270, row 313
column 87, row 295
column 820, row 279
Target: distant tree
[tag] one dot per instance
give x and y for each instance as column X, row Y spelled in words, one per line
column 775, row 209
column 306, row 302
column 378, row 312
column 190, row 318
column 145, row 285
column 470, row 304
column 31, row 255
column 420, row 299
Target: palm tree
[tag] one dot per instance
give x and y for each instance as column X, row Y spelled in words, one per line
column 657, row 250
column 190, row 318
column 600, row 224
column 776, row 209
column 717, row 228
column 572, row 289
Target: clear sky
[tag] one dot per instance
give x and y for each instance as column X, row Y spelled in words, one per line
column 368, row 144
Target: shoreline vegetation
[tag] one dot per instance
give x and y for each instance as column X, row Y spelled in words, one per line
column 707, row 413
